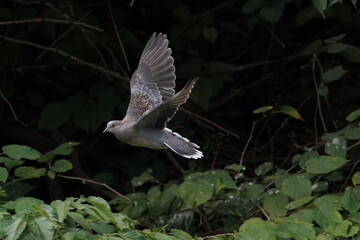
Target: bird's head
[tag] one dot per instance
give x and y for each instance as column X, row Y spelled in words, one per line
column 111, row 126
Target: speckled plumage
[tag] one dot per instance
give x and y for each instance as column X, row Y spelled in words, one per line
column 153, row 103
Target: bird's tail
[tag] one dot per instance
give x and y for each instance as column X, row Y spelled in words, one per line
column 181, row 145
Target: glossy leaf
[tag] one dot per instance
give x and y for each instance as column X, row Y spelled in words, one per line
column 291, row 111
column 296, row 187
column 353, row 115
column 30, row 172
column 324, row 164
column 61, row 166
column 18, row 152
column 3, row 174
column 143, row 178
column 334, row 74
column 195, row 193
column 262, row 109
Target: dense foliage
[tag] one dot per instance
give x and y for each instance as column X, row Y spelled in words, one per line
column 276, row 112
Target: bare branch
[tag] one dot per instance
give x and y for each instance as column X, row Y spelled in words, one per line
column 73, row 58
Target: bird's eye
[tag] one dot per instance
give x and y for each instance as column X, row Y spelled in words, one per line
column 113, row 125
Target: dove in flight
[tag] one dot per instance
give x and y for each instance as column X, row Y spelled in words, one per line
column 153, row 103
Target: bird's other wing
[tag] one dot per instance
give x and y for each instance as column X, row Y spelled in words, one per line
column 159, row 116
column 154, row 80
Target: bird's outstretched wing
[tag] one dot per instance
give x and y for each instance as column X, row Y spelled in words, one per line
column 160, row 115
column 154, row 80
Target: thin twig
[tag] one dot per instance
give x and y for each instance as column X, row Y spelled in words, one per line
column 210, row 122
column 249, row 139
column 13, row 111
column 73, row 58
column 96, row 183
column 118, row 35
column 50, row 20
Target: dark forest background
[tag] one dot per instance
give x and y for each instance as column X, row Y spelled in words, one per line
column 278, row 78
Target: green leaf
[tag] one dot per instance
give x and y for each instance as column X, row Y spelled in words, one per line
column 324, row 164
column 264, row 168
column 335, row 145
column 295, row 229
column 18, row 152
column 10, row 163
column 352, row 54
column 251, row 192
column 296, row 187
column 335, row 39
column 349, row 201
column 256, row 228
column 102, row 206
column 14, row 226
column 62, row 208
column 51, row 174
column 275, row 204
column 26, row 203
column 298, row 203
column 210, row 34
column 354, row 3
column 353, row 115
column 53, row 115
column 352, row 133
column 273, row 12
column 356, row 178
column 291, row 111
column 180, row 234
column 3, row 174
column 311, row 48
column 262, row 109
column 195, row 193
column 61, row 165
column 65, row 148
column 30, row 172
column 320, row 5
column 143, row 178
column 336, row 48
column 235, row 167
column 334, row 74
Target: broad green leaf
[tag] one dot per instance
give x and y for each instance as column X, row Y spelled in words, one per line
column 296, row 187
column 305, row 214
column 298, row 203
column 65, row 148
column 353, row 115
column 273, row 12
column 180, row 234
column 80, row 220
column 210, row 34
column 62, row 208
column 334, row 74
column 130, row 234
column 101, row 227
column 295, row 229
column 159, row 236
column 61, row 165
column 18, row 152
column 335, row 39
column 251, row 192
column 291, row 111
column 320, row 5
column 53, row 115
column 195, row 193
column 356, row 178
column 235, row 167
column 349, row 201
column 51, row 174
column 14, row 226
column 324, row 164
column 26, row 203
column 262, row 109
column 335, row 145
column 30, row 172
column 102, row 206
column 351, row 53
column 275, row 204
column 311, row 48
column 43, row 227
column 339, row 229
column 336, row 48
column 10, row 163
column 143, row 178
column 352, row 133
column 256, row 228
column 328, row 210
column 3, row 174
column 264, row 168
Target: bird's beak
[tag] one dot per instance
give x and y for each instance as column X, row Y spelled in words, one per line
column 106, row 129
